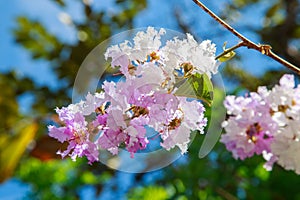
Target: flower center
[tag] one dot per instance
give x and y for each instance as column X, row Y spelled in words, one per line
column 138, row 111
column 175, row 123
column 100, row 109
column 154, row 56
column 187, row 68
column 282, row 108
column 78, row 137
column 252, row 131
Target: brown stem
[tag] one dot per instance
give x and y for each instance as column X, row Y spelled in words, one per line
column 264, row 49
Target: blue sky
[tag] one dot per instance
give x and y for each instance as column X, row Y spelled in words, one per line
column 15, row 57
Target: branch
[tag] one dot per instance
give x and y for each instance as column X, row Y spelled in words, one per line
column 264, row 49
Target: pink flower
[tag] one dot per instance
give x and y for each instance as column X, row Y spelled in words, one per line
column 250, row 129
column 144, row 98
column 111, row 140
column 75, row 132
column 267, row 123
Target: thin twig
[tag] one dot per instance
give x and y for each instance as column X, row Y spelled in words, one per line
column 230, row 50
column 264, row 49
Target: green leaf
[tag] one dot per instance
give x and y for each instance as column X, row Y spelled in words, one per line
column 227, row 56
column 197, row 86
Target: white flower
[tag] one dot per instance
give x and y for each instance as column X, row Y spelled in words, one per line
column 286, row 146
column 144, row 44
column 188, row 119
column 283, row 99
column 150, row 75
column 171, row 56
column 201, row 56
column 194, row 118
column 179, row 137
column 92, row 102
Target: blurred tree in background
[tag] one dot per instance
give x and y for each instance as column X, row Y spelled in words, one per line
column 26, row 152
column 26, row 134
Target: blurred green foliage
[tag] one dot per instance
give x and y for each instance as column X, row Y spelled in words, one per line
column 217, row 176
column 149, row 193
column 56, row 179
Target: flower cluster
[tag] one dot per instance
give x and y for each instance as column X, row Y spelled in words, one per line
column 267, row 123
column 144, row 98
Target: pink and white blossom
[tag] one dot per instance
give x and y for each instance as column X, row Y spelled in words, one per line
column 119, row 116
column 266, row 123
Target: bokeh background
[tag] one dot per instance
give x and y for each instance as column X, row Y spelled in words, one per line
column 43, row 43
